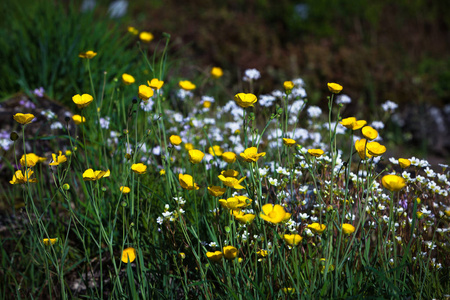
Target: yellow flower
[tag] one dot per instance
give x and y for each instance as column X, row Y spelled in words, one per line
column 125, row 189
column 133, row 30
column 48, row 242
column 207, row 104
column 91, row 175
column 155, row 83
column 214, row 256
column 360, row 146
column 245, row 100
column 317, row 228
column 127, row 79
column 359, row 124
column 272, row 213
column 232, row 182
column 162, row 172
column 289, row 291
column 146, row 37
column 23, row 118
column 289, row 142
column 139, row 168
column 348, row 122
column 19, row 178
column 230, row 173
column 82, row 100
column 128, row 255
column 216, row 72
column 348, row 228
column 88, row 54
column 175, row 140
column 393, row 183
column 186, row 85
column 230, row 252
column 242, row 217
column 236, row 202
column 145, row 92
column 334, row 87
column 447, row 212
column 316, row 152
column 251, row 155
column 195, row 156
column 58, row 159
column 77, row 119
column 187, row 182
column 188, row 146
column 31, row 160
column 375, row 149
column 419, row 215
column 369, row 133
column 216, row 191
column 262, row 253
column 292, row 239
column 229, row 157
column 215, row 150
column 288, row 86
column 404, row 163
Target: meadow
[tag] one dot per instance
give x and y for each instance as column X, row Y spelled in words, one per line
column 159, row 186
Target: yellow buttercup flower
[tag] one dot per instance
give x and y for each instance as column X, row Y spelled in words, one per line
column 232, row 182
column 369, row 133
column 186, row 85
column 214, row 256
column 91, row 175
column 145, row 92
column 128, row 255
column 393, row 183
column 316, row 152
column 195, row 156
column 215, row 150
column 175, row 140
column 288, row 86
column 82, row 100
column 235, row 203
column 188, row 146
column 133, row 30
column 139, row 168
column 206, row 104
column 230, row 252
column 88, row 54
column 262, row 253
column 162, row 172
column 20, row 178
column 334, row 87
column 229, row 157
column 230, row 173
column 359, row 124
column 58, row 159
column 31, row 160
column 317, row 228
column 245, row 100
column 127, row 79
column 242, row 217
column 187, row 182
column 48, row 242
column 289, row 142
column 360, row 146
column 125, row 189
column 146, row 37
column 216, row 191
column 155, row 83
column 375, row 148
column 272, row 213
column 292, row 239
column 348, row 122
column 216, row 72
column 404, row 163
column 251, row 154
column 348, row 228
column 23, row 118
column 77, row 119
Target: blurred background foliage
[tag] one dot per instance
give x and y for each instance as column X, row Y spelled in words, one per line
column 378, row 50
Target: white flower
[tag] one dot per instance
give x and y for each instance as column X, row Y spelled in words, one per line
column 344, row 99
column 147, row 105
column 430, row 172
column 273, row 181
column 213, row 244
column 263, row 171
column 393, row 160
column 389, row 106
column 104, row 122
column 314, row 111
column 56, row 125
column 251, row 74
column 377, row 125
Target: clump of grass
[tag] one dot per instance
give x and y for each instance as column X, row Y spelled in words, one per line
column 286, row 206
